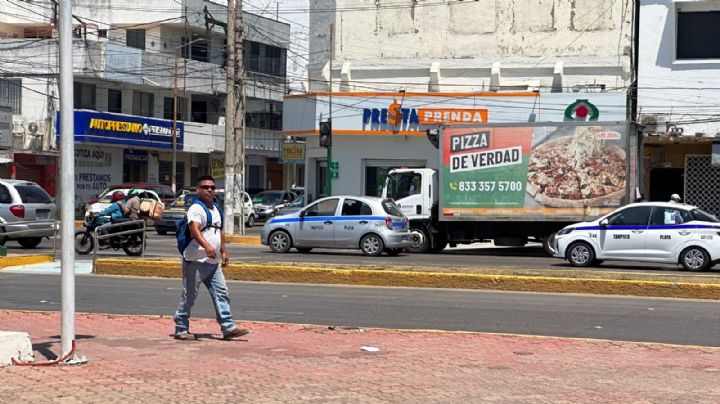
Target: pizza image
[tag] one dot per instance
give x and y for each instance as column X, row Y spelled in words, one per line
column 580, row 170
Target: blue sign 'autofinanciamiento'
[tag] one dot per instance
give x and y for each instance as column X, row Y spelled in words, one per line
column 126, row 130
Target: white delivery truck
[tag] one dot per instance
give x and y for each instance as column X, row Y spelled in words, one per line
column 515, row 183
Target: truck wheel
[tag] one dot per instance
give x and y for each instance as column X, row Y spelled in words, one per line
column 580, row 254
column 419, row 241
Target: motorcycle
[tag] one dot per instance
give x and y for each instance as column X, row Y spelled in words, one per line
column 85, row 240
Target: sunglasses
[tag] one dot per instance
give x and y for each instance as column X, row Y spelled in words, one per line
column 207, row 187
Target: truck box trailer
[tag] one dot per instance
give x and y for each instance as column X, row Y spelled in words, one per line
column 515, row 183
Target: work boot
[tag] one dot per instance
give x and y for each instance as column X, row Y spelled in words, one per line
column 185, row 336
column 235, row 332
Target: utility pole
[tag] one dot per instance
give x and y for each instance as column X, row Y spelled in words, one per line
column 235, row 121
column 328, row 171
column 67, row 182
column 229, row 219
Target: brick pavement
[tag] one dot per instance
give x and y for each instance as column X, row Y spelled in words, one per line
column 134, row 359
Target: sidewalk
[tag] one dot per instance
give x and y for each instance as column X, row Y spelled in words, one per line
column 134, row 359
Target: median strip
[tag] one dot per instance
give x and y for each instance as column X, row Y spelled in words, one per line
column 389, row 276
column 18, row 260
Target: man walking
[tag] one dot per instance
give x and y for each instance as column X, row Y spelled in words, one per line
column 200, row 264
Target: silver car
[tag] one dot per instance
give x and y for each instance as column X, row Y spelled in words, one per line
column 25, row 201
column 372, row 224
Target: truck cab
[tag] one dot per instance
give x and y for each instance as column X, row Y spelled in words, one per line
column 414, row 192
column 412, row 189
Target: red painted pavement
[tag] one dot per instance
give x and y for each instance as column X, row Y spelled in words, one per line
column 134, row 359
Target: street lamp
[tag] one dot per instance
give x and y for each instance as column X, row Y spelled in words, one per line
column 173, row 174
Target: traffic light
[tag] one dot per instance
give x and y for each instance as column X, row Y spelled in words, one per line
column 325, row 134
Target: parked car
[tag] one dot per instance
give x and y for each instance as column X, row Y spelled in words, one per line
column 294, row 206
column 267, row 203
column 164, row 192
column 179, row 208
column 659, row 232
column 22, row 201
column 371, row 224
column 106, row 200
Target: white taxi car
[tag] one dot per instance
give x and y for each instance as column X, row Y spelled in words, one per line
column 660, row 232
column 374, row 225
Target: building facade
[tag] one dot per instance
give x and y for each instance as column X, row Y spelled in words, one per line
column 133, row 63
column 509, row 58
column 678, row 100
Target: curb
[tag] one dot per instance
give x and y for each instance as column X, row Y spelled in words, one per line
column 17, row 260
column 233, row 239
column 292, row 273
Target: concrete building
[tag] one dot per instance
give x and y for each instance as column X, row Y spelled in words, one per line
column 130, row 59
column 518, row 60
column 679, row 101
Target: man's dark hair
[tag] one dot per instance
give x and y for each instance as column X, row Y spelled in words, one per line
column 205, row 178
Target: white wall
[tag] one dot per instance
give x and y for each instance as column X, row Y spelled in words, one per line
column 675, row 90
column 477, row 44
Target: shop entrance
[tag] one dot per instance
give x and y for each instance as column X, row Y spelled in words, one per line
column 665, row 182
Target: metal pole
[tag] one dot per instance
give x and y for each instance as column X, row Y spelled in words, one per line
column 328, row 175
column 229, row 219
column 240, row 123
column 67, row 180
column 173, row 177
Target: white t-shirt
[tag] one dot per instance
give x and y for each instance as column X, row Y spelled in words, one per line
column 194, row 251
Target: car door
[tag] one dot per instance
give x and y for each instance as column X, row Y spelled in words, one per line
column 624, row 235
column 316, row 226
column 353, row 222
column 666, row 231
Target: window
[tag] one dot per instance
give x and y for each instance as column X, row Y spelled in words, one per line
column 198, row 50
column 84, row 95
column 32, row 194
column 695, row 31
column 114, row 101
column 353, row 207
column 199, row 111
column 323, row 208
column 391, row 208
column 168, row 108
column 265, row 59
column 5, row 196
column 637, row 216
column 11, row 94
column 143, row 103
column 102, row 33
column 664, row 216
column 703, row 216
column 135, row 38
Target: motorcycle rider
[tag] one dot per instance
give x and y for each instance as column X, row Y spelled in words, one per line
column 115, row 210
column 132, row 206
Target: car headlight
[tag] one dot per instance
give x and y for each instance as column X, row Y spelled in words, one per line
column 565, row 231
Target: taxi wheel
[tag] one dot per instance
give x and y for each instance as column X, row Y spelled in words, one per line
column 695, row 259
column 372, row 245
column 251, row 221
column 280, row 242
column 580, row 254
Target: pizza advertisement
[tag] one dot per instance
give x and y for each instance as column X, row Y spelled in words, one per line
column 568, row 170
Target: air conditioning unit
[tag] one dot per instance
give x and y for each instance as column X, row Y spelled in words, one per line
column 653, row 123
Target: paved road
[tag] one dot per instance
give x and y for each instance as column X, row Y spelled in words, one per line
column 476, row 255
column 691, row 322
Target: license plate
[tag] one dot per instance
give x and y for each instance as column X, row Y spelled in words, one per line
column 42, row 214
